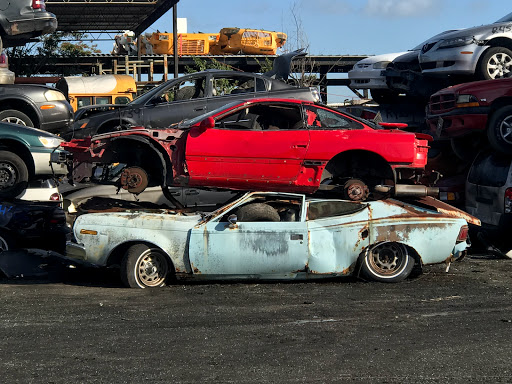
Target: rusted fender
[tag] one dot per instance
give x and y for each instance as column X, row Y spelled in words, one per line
column 447, row 209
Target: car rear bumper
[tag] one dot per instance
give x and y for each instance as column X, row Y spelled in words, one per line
column 41, row 24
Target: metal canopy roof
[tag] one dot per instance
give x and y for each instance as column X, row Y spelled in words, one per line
column 108, row 15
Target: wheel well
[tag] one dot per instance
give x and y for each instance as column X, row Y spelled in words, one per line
column 22, row 106
column 117, row 254
column 22, row 151
column 109, row 125
column 369, row 166
column 418, row 263
column 499, row 103
column 138, row 151
column 500, row 42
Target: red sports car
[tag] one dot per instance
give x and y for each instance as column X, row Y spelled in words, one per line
column 263, row 144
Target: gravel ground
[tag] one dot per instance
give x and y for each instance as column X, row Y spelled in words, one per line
column 81, row 327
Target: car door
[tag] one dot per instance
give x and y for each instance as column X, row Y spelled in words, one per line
column 249, row 148
column 183, row 99
column 338, row 231
column 250, row 249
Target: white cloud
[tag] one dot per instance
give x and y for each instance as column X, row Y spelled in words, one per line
column 400, row 8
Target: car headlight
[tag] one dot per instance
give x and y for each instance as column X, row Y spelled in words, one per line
column 467, row 101
column 457, row 42
column 381, row 64
column 50, row 142
column 52, row 95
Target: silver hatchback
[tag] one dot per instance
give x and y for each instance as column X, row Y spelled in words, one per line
column 489, row 196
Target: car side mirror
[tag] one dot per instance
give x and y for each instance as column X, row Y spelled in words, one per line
column 207, row 123
column 232, row 220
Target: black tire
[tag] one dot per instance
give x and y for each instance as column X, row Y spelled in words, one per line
column 13, row 175
column 355, row 190
column 6, row 242
column 15, row 117
column 144, row 267
column 495, row 63
column 499, row 130
column 467, row 147
column 387, row 263
column 257, row 212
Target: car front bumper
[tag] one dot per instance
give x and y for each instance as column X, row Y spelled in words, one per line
column 368, row 79
column 44, row 161
column 58, row 119
column 458, row 122
column 456, row 61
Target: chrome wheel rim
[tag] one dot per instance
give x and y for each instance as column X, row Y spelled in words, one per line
column 151, row 269
column 499, row 65
column 506, row 129
column 14, row 120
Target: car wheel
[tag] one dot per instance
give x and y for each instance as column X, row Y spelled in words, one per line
column 355, row 190
column 13, row 175
column 495, row 63
column 387, row 263
column 466, row 147
column 15, row 117
column 6, row 242
column 144, row 267
column 499, row 131
column 257, row 212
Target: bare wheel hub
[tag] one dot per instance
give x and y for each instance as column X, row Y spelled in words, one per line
column 134, row 179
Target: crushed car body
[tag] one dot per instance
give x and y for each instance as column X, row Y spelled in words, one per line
column 36, row 226
column 269, row 235
column 262, row 144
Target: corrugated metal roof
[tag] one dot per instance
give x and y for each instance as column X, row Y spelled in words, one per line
column 108, row 15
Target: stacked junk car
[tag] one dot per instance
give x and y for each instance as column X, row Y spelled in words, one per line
column 231, row 175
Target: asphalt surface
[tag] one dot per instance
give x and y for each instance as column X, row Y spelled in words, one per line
column 82, row 327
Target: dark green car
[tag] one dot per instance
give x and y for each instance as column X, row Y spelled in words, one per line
column 25, row 154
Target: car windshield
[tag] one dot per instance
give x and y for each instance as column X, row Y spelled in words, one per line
column 504, row 19
column 419, row 46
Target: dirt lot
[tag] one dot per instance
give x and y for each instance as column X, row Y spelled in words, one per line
column 81, row 327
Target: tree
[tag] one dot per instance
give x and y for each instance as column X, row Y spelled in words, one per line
column 52, row 46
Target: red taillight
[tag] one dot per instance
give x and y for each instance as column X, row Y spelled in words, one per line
column 4, row 61
column 463, row 234
column 38, row 4
column 56, row 197
column 508, row 200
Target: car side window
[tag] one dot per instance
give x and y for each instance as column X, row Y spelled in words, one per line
column 264, row 117
column 233, row 84
column 323, row 118
column 184, row 90
column 324, row 209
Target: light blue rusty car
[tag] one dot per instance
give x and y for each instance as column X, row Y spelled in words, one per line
column 266, row 235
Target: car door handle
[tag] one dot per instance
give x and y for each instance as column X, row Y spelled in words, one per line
column 176, row 193
column 296, row 236
column 300, row 146
column 200, row 109
column 192, row 192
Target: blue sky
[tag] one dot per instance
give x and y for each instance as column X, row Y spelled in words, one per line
column 340, row 27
